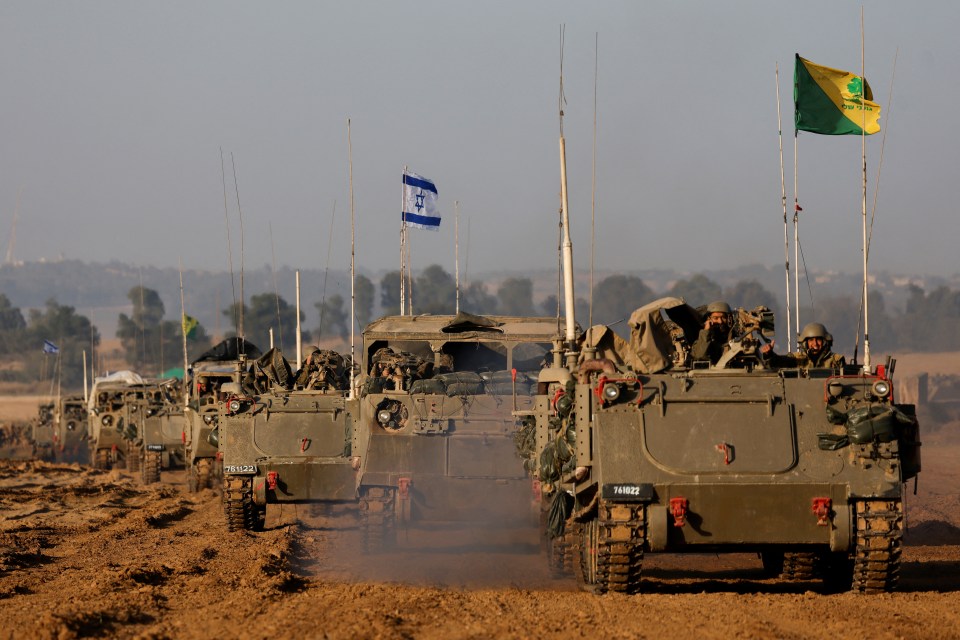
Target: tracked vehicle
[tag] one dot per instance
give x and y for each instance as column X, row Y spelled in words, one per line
column 225, row 363
column 641, row 450
column 70, row 429
column 162, row 442
column 285, row 438
column 439, row 397
column 117, row 410
column 42, row 432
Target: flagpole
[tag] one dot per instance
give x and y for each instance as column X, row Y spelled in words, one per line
column 456, row 247
column 796, row 241
column 403, row 239
column 783, row 200
column 85, row 398
column 183, row 330
column 299, row 334
column 352, row 257
column 863, row 145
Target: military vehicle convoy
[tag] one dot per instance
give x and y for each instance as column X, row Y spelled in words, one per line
column 117, row 410
column 224, row 363
column 286, row 438
column 161, row 442
column 436, row 429
column 641, row 450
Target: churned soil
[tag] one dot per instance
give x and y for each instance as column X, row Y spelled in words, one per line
column 87, row 553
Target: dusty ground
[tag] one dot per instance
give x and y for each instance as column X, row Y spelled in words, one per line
column 85, row 553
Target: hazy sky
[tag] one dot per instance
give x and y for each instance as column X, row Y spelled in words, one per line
column 113, row 114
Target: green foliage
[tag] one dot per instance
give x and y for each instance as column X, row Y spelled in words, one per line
column 516, row 297
column 334, row 318
column 266, row 311
column 475, row 299
column 363, row 299
column 151, row 344
column 71, row 332
column 616, row 297
column 434, row 291
column 697, row 291
column 390, row 293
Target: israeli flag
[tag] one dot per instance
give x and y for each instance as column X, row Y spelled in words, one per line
column 49, row 347
column 420, row 202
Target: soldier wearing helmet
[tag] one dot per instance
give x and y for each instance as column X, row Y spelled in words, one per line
column 815, row 351
column 715, row 333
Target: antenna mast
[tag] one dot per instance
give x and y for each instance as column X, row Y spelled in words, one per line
column 567, row 246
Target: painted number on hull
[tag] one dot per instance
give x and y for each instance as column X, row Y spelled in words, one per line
column 239, row 468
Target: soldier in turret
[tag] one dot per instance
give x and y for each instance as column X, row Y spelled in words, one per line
column 715, row 333
column 814, row 353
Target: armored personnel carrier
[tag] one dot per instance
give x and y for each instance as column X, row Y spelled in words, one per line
column 641, row 450
column 42, row 432
column 439, row 397
column 163, row 437
column 224, row 363
column 285, row 438
column 70, row 429
column 116, row 412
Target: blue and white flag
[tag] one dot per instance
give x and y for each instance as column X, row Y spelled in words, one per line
column 49, row 347
column 420, row 202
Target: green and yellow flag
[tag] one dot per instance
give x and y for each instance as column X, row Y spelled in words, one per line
column 189, row 325
column 832, row 102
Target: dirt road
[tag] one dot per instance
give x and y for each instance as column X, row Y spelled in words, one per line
column 85, row 553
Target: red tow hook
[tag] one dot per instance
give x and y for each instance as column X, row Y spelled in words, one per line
column 304, row 443
column 404, row 487
column 678, row 509
column 725, row 449
column 821, row 509
column 272, row 478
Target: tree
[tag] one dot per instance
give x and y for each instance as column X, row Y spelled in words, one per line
column 266, row 311
column 364, row 296
column 697, row 291
column 72, row 333
column 434, row 291
column 12, row 326
column 749, row 294
column 516, row 297
column 475, row 299
column 333, row 318
column 152, row 344
column 390, row 293
column 617, row 296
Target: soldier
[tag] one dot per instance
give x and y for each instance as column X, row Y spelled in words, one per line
column 715, row 333
column 815, row 351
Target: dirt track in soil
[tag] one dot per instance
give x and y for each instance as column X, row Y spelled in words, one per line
column 86, row 553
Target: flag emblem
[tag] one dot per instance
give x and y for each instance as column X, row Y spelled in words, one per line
column 420, row 202
column 49, row 347
column 832, row 102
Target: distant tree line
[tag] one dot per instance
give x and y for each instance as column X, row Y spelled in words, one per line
column 152, row 344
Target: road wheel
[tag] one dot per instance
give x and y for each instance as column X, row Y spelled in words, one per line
column 150, row 473
column 241, row 512
column 101, row 459
column 378, row 519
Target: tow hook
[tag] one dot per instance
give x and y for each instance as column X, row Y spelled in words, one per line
column 272, row 478
column 821, row 509
column 678, row 509
column 404, row 488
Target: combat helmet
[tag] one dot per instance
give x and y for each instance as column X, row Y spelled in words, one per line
column 815, row 330
column 718, row 306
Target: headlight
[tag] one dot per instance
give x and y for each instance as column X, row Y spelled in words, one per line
column 835, row 388
column 611, row 392
column 106, row 420
column 233, row 406
column 881, row 388
column 207, row 418
column 150, row 412
column 71, row 426
column 384, row 416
